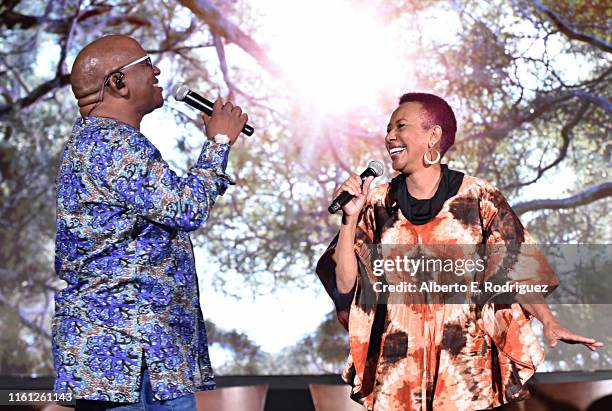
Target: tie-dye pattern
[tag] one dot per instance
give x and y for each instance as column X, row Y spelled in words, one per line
column 440, row 356
column 124, row 250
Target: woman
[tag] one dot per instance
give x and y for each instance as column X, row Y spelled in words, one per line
column 433, row 356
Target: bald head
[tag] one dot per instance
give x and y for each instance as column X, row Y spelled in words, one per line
column 99, row 59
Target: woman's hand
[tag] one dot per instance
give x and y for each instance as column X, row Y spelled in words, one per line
column 353, row 186
column 554, row 332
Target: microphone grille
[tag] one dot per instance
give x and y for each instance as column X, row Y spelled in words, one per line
column 180, row 91
column 378, row 167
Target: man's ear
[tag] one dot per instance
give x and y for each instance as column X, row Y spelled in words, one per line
column 116, row 84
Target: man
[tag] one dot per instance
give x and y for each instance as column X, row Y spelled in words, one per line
column 128, row 326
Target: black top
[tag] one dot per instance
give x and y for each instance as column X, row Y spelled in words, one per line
column 417, row 211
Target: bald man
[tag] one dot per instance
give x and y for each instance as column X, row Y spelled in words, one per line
column 128, row 332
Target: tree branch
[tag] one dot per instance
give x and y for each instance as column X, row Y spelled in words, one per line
column 16, row 74
column 598, row 100
column 566, row 28
column 37, row 93
column 12, row 19
column 540, row 106
column 65, row 42
column 176, row 49
column 566, row 136
column 587, row 196
column 218, row 42
column 222, row 26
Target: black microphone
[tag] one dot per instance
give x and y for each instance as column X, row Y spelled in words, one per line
column 375, row 169
column 182, row 93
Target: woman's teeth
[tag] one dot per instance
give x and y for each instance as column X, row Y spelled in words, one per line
column 396, row 150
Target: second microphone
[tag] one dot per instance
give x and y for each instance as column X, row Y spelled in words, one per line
column 375, row 169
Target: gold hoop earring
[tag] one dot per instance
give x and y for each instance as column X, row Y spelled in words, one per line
column 431, row 161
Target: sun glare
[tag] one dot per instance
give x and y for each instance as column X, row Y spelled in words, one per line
column 334, row 55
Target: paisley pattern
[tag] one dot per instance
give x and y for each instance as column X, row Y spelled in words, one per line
column 440, row 356
column 123, row 248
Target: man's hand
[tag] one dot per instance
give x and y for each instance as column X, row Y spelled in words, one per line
column 554, row 332
column 226, row 119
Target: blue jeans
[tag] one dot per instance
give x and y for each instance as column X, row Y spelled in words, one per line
column 147, row 402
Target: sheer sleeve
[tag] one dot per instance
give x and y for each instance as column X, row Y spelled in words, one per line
column 326, row 266
column 513, row 256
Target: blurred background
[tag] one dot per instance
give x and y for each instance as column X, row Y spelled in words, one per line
column 529, row 82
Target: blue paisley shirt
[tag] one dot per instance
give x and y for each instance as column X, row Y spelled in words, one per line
column 123, row 248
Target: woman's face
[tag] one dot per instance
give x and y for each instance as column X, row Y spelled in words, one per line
column 406, row 140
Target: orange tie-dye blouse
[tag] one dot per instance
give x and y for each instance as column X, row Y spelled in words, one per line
column 440, row 356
